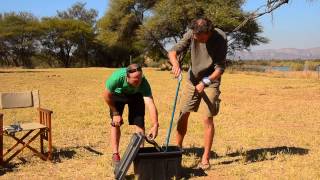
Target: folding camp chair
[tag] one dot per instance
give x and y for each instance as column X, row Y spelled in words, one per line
column 41, row 129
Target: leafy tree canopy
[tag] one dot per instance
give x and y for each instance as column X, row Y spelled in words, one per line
column 79, row 12
column 17, row 38
column 150, row 26
column 61, row 37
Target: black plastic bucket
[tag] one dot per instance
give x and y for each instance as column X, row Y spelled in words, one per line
column 150, row 164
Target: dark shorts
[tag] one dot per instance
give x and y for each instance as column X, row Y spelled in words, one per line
column 136, row 107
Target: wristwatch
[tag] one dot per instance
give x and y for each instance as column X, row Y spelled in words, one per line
column 206, row 81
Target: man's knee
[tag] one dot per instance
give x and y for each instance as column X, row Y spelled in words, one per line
column 140, row 129
column 183, row 117
column 183, row 122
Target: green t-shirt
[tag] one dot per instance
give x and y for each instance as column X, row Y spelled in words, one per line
column 117, row 83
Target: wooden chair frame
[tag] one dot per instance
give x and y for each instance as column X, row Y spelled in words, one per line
column 44, row 133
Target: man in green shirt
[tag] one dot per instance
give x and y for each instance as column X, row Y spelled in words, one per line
column 208, row 47
column 129, row 86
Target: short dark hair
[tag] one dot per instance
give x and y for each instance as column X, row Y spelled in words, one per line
column 133, row 68
column 201, row 25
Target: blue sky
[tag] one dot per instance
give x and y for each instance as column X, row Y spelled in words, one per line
column 294, row 25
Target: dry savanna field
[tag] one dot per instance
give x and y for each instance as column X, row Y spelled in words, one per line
column 268, row 126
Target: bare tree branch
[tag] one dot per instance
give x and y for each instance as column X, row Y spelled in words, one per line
column 269, row 7
column 156, row 42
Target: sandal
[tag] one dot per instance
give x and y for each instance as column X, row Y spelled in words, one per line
column 204, row 166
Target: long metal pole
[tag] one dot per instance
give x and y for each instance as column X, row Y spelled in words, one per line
column 173, row 111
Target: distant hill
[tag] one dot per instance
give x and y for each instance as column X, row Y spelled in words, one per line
column 281, row 54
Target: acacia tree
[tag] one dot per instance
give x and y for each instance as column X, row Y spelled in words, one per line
column 79, row 12
column 18, row 38
column 151, row 26
column 129, row 28
column 61, row 38
column 85, row 46
column 118, row 28
column 170, row 20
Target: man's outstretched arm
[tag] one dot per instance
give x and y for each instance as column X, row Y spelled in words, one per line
column 172, row 55
column 153, row 115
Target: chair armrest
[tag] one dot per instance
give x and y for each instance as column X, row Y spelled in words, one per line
column 44, row 110
column 45, row 117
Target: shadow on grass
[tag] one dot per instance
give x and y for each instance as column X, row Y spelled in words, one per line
column 90, row 149
column 198, row 152
column 13, row 165
column 57, row 156
column 9, row 168
column 262, row 154
column 250, row 156
column 191, row 172
column 185, row 173
column 70, row 152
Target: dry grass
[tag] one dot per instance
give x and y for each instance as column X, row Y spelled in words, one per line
column 268, row 128
column 286, row 74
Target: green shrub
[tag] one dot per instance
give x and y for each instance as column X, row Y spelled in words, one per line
column 296, row 67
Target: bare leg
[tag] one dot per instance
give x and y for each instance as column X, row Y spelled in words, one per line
column 208, row 138
column 115, row 138
column 182, row 128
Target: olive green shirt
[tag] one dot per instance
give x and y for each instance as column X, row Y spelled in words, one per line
column 205, row 57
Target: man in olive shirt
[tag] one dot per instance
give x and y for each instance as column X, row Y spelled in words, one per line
column 129, row 86
column 208, row 53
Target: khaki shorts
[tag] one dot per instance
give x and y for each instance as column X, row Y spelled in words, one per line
column 190, row 99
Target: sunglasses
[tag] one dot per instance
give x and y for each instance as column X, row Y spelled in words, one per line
column 134, row 70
